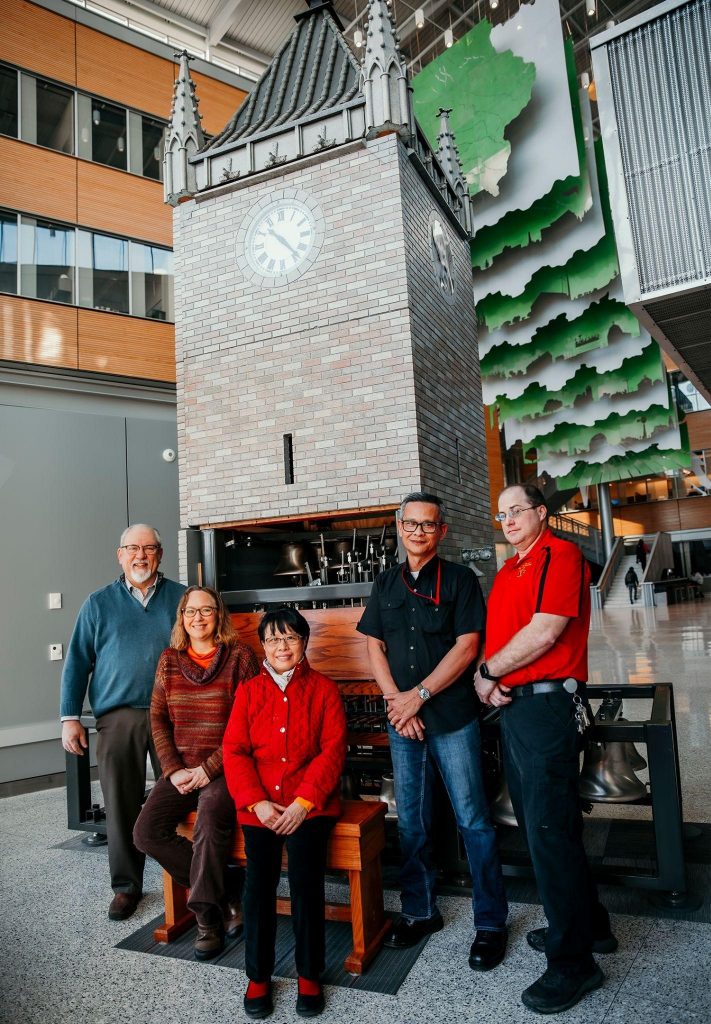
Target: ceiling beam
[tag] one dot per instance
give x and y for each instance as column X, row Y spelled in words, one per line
column 222, row 21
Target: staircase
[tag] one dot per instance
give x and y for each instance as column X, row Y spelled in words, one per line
column 618, row 596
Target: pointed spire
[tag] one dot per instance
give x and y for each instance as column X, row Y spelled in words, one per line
column 448, row 156
column 183, row 139
column 384, row 76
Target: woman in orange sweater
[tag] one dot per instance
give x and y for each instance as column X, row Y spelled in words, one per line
column 196, row 680
column 284, row 746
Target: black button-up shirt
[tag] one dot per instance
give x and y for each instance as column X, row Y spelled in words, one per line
column 418, row 633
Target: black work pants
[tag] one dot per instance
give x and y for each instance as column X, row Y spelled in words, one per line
column 123, row 741
column 200, row 866
column 306, row 849
column 541, row 750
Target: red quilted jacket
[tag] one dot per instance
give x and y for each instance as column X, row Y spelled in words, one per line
column 278, row 746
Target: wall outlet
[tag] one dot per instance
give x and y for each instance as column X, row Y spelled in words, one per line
column 56, row 652
column 55, row 600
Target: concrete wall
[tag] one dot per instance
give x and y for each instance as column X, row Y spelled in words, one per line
column 78, row 462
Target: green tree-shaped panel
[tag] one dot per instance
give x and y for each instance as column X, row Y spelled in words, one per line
column 648, row 462
column 486, row 90
column 575, row 439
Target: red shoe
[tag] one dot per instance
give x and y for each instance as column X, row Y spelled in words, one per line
column 310, row 1001
column 258, row 999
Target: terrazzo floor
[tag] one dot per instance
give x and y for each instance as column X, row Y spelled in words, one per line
column 58, row 962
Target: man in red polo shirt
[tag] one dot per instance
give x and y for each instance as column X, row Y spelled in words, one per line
column 535, row 670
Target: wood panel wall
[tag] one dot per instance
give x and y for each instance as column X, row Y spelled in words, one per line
column 218, row 102
column 125, row 345
column 699, row 425
column 114, row 69
column 38, row 40
column 38, row 332
column 494, row 457
column 38, row 181
column 115, row 201
column 655, row 516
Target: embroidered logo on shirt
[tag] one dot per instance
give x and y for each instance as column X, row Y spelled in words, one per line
column 522, row 569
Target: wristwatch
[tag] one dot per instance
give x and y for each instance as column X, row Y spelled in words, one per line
column 424, row 693
column 486, row 674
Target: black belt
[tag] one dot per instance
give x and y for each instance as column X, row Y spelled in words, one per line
column 546, row 686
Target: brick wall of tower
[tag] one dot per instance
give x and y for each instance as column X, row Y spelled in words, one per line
column 328, row 359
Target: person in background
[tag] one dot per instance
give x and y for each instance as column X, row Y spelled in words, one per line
column 631, row 582
column 641, row 551
column 424, row 620
column 284, row 750
column 196, row 680
column 118, row 637
column 535, row 671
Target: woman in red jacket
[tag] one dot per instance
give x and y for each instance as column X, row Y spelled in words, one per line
column 284, row 750
column 196, row 679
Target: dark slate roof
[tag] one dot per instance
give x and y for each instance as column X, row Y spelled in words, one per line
column 314, row 72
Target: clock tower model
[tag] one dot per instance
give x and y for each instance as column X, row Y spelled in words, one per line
column 325, row 327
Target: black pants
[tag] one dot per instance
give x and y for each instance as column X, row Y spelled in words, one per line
column 541, row 747
column 200, row 866
column 632, row 587
column 306, row 850
column 123, row 741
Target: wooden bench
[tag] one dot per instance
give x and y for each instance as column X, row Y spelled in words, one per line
column 355, row 845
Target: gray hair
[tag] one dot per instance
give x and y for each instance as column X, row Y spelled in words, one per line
column 427, row 499
column 140, row 526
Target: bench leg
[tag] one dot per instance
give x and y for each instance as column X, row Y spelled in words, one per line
column 368, row 920
column 178, row 918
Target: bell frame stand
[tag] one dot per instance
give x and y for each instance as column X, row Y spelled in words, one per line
column 658, row 733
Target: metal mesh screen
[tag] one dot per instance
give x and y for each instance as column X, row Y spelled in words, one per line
column 661, row 84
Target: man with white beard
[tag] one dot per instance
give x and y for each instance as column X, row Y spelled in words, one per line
column 119, row 635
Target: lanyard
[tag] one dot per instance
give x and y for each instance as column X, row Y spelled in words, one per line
column 425, row 597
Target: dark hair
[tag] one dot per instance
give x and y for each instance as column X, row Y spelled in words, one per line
column 426, row 499
column 225, row 632
column 284, row 619
column 533, row 493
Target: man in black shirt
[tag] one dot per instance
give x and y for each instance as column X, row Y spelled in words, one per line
column 424, row 621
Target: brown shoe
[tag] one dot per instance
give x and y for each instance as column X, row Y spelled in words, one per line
column 209, row 941
column 232, row 915
column 123, row 905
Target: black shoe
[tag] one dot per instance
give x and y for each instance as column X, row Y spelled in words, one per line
column 488, row 949
column 310, row 1006
column 555, row 992
column 537, row 940
column 258, row 1007
column 408, row 933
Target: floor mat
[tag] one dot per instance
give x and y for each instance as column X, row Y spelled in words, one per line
column 385, row 974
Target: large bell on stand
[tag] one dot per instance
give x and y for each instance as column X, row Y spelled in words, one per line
column 293, row 559
column 387, row 793
column 502, row 812
column 636, row 761
column 607, row 776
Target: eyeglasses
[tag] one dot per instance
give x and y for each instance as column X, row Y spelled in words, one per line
column 411, row 525
column 274, row 641
column 133, row 549
column 206, row 612
column 513, row 513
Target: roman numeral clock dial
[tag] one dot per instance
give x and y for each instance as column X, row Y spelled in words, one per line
column 280, row 240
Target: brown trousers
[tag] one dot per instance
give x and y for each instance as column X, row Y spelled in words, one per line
column 200, row 866
column 123, row 741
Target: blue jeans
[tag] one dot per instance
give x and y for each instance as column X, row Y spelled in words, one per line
column 457, row 756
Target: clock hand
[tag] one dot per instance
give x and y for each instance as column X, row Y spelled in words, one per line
column 284, row 242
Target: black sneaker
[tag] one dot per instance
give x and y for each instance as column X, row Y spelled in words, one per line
column 537, row 940
column 555, row 992
column 408, row 933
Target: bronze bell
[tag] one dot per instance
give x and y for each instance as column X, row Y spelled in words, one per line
column 387, row 793
column 607, row 776
column 342, row 547
column 501, row 809
column 292, row 561
column 636, row 761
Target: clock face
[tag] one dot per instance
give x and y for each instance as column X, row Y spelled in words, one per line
column 281, row 240
column 442, row 259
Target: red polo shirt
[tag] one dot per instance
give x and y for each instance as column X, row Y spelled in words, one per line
column 554, row 578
